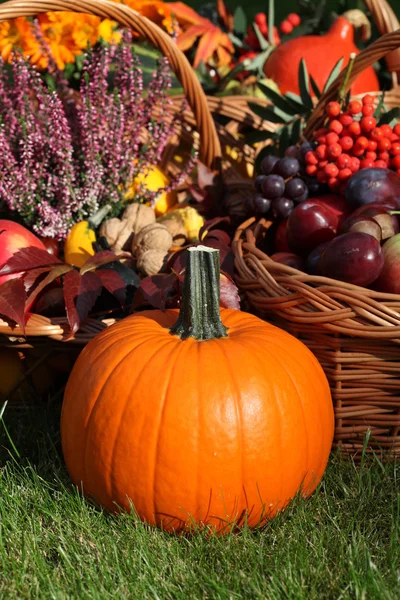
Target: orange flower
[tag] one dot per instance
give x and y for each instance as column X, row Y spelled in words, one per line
column 156, row 11
column 16, row 35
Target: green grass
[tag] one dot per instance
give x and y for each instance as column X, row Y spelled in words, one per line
column 343, row 543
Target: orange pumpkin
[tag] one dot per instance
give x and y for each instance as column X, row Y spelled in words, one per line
column 321, row 53
column 209, row 417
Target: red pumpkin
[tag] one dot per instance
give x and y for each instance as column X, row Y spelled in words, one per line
column 321, row 53
column 209, row 417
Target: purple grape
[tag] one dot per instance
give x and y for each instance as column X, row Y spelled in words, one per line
column 315, row 188
column 258, row 182
column 287, row 167
column 261, row 204
column 294, row 152
column 282, row 207
column 273, row 186
column 268, row 163
column 296, row 190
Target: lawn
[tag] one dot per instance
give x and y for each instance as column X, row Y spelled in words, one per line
column 343, row 543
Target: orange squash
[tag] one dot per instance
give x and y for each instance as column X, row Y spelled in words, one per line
column 209, row 417
column 321, row 53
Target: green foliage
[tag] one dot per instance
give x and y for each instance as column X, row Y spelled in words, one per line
column 343, row 542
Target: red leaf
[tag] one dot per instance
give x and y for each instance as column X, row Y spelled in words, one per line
column 12, row 301
column 218, row 234
column 55, row 272
column 184, row 14
column 31, row 277
column 102, row 258
column 27, row 259
column 80, row 295
column 113, row 283
column 159, row 291
column 229, row 294
column 212, row 224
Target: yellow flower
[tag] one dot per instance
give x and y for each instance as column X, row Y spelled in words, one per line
column 108, row 32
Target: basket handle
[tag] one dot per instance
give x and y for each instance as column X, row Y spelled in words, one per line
column 366, row 58
column 386, row 22
column 210, row 148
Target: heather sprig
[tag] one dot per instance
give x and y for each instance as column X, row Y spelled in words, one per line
column 66, row 154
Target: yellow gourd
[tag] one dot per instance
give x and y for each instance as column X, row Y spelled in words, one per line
column 193, row 221
column 78, row 246
column 153, row 180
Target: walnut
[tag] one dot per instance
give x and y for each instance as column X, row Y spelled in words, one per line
column 120, row 232
column 152, row 237
column 151, row 262
column 176, row 226
column 138, row 216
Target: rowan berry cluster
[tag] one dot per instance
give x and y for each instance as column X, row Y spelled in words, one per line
column 350, row 141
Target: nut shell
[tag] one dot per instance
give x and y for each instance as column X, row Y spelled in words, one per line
column 151, row 262
column 176, row 226
column 138, row 216
column 152, row 237
column 111, row 230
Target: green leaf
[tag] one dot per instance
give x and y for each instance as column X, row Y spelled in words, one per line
column 380, row 106
column 271, row 20
column 284, row 139
column 281, row 102
column 304, row 85
column 297, row 128
column 315, row 88
column 389, row 116
column 254, row 137
column 262, row 41
column 269, row 114
column 235, row 40
column 334, row 73
column 239, row 20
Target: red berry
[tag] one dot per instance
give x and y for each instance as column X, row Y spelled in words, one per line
column 322, row 177
column 322, row 164
column 366, row 163
column 344, row 174
column 286, row 27
column 368, row 110
column 355, row 107
column 358, row 150
column 311, row 158
column 372, row 145
column 396, row 162
column 368, row 124
column 264, row 29
column 311, row 170
column 331, row 170
column 260, row 19
column 320, row 151
column 334, row 150
column 396, row 129
column 333, row 109
column 380, row 164
column 386, row 130
column 395, row 148
column 370, row 155
column 336, row 126
column 384, row 156
column 346, row 119
column 376, row 134
column 332, row 138
column 354, row 164
column 368, row 99
column 321, row 139
column 294, row 19
column 319, row 132
column 384, row 144
column 334, row 184
column 343, row 161
column 362, row 141
column 394, row 137
column 355, row 128
column 346, row 142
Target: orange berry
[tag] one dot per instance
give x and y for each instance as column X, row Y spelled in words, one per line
column 377, row 134
column 346, row 142
column 333, row 109
column 371, row 155
column 366, row 163
column 368, row 110
column 322, row 164
column 384, row 156
column 343, row 161
column 354, row 165
column 355, row 128
column 286, row 27
column 334, row 150
column 368, row 124
column 384, row 144
column 331, row 170
column 396, row 161
column 345, row 174
column 336, row 126
column 311, row 170
column 322, row 177
column 334, row 184
column 260, row 19
column 386, row 130
column 320, row 151
column 332, row 138
column 380, row 164
column 355, row 107
column 395, row 148
column 368, row 99
column 396, row 129
column 311, row 158
column 346, row 119
column 294, row 19
column 372, row 145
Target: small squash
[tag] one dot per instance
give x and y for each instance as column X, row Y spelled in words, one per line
column 205, row 416
column 155, row 180
column 78, row 246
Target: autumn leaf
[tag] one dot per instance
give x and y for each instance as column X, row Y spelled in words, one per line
column 213, row 42
column 12, row 301
column 27, row 259
column 158, row 291
column 229, row 293
column 102, row 258
column 80, row 295
column 225, row 15
column 54, row 273
column 113, row 283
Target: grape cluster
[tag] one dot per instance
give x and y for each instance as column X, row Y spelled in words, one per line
column 350, row 141
column 282, row 186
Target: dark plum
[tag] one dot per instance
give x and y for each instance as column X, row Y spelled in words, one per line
column 282, row 207
column 273, row 186
column 389, row 279
column 287, row 167
column 313, row 259
column 268, row 163
column 314, row 221
column 373, row 185
column 353, row 257
column 363, row 224
column 290, row 259
column 280, row 239
column 296, row 190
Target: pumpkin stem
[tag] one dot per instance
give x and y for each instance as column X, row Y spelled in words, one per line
column 199, row 316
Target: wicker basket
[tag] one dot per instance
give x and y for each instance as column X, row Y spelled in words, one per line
column 353, row 331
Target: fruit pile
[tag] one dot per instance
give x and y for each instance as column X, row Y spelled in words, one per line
column 261, row 20
column 352, row 140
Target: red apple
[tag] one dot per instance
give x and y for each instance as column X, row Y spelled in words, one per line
column 389, row 279
column 315, row 221
column 13, row 237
